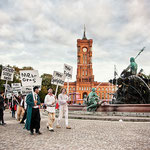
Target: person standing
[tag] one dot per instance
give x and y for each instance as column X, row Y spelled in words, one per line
column 63, row 108
column 2, row 108
column 13, row 106
column 50, row 101
column 33, row 113
column 25, row 114
column 20, row 111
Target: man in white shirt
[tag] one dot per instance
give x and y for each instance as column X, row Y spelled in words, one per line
column 63, row 108
column 50, row 101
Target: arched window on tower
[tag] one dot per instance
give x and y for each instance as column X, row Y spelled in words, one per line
column 91, row 60
column 85, row 59
column 83, row 72
column 78, row 49
column 106, row 96
column 86, row 73
column 78, row 59
column 102, row 95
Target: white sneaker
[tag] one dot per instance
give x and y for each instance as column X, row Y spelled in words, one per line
column 51, row 129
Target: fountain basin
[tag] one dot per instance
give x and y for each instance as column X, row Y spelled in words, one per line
column 115, row 108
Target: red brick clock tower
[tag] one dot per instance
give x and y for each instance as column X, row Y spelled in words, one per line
column 84, row 77
column 84, row 60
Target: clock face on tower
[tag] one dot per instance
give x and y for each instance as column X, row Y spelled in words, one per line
column 84, row 49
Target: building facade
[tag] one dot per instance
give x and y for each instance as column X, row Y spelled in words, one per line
column 85, row 78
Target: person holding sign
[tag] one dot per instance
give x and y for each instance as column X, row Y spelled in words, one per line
column 33, row 113
column 63, row 108
column 50, row 101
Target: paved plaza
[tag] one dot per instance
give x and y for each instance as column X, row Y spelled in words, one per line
column 85, row 134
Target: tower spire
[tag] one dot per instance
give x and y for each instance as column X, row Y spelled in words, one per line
column 84, row 36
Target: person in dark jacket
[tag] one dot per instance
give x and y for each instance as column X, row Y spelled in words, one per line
column 13, row 106
column 33, row 113
column 2, row 108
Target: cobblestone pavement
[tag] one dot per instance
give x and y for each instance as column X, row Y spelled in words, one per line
column 84, row 135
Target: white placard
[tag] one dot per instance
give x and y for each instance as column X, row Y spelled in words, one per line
column 7, row 73
column 39, row 83
column 15, row 93
column 68, row 71
column 58, row 78
column 9, row 95
column 16, row 87
column 26, row 90
column 29, row 77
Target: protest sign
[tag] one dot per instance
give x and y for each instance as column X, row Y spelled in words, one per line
column 16, row 87
column 7, row 73
column 9, row 95
column 58, row 78
column 26, row 90
column 29, row 77
column 15, row 93
column 68, row 71
column 39, row 83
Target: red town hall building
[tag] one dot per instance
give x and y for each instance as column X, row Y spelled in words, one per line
column 85, row 78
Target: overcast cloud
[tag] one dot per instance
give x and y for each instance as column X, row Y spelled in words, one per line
column 43, row 33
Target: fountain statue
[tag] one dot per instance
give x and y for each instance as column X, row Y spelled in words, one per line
column 133, row 87
column 92, row 101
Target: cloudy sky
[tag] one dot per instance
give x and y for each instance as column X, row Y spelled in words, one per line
column 43, row 33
